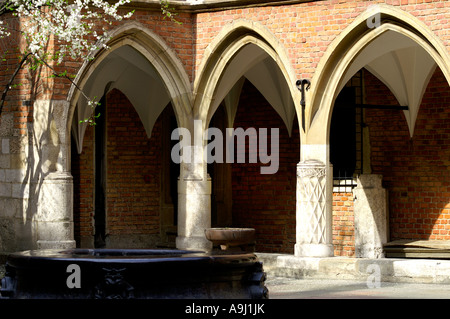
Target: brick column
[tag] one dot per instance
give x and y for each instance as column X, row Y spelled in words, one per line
column 314, row 210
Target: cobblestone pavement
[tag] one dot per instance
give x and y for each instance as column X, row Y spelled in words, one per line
column 288, row 288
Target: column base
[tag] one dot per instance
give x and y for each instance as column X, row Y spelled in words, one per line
column 313, row 250
column 193, row 243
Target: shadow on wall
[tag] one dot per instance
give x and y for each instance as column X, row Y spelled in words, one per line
column 32, row 157
column 415, row 170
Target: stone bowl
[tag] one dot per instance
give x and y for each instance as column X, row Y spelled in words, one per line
column 227, row 238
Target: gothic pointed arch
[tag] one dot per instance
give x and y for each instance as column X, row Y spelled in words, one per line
column 143, row 67
column 393, row 45
column 245, row 49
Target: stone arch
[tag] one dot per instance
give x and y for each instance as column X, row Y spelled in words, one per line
column 149, row 48
column 244, row 51
column 341, row 59
column 217, row 80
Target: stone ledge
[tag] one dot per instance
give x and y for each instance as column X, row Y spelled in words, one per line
column 390, row 269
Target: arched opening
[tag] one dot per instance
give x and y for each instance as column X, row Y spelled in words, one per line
column 126, row 155
column 247, row 89
column 395, row 61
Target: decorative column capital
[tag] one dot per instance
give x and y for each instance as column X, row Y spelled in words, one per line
column 311, row 168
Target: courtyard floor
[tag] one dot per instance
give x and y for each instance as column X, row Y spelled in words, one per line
column 289, row 288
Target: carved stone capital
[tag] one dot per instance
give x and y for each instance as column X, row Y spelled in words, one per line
column 311, row 169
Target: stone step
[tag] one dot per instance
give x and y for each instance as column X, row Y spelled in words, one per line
column 436, row 249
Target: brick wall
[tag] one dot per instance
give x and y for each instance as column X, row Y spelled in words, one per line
column 343, row 229
column 266, row 202
column 134, row 168
column 83, row 183
column 305, row 30
column 415, row 170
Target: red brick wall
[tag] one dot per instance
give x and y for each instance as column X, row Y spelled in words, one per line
column 266, row 202
column 415, row 170
column 305, row 30
column 83, row 184
column 343, row 229
column 25, row 86
column 134, row 171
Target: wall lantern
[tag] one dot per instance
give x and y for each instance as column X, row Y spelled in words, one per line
column 301, row 86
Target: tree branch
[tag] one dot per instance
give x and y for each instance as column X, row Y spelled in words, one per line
column 63, row 75
column 8, row 85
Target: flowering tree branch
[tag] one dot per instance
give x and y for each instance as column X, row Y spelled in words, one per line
column 71, row 26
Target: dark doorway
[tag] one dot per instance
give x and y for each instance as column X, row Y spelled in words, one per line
column 343, row 134
column 100, row 176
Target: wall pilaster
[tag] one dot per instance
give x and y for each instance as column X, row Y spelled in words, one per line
column 371, row 216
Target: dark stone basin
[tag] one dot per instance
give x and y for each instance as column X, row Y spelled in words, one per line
column 132, row 273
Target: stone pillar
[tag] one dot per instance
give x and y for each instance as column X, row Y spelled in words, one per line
column 314, row 210
column 194, row 192
column 54, row 219
column 371, row 216
column 194, row 214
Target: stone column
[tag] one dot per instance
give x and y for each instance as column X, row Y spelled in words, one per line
column 371, row 216
column 314, row 210
column 54, row 219
column 194, row 214
column 194, row 193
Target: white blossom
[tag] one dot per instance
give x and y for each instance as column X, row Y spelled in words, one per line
column 69, row 24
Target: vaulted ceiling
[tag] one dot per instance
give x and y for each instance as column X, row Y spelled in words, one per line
column 254, row 64
column 402, row 65
column 130, row 72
